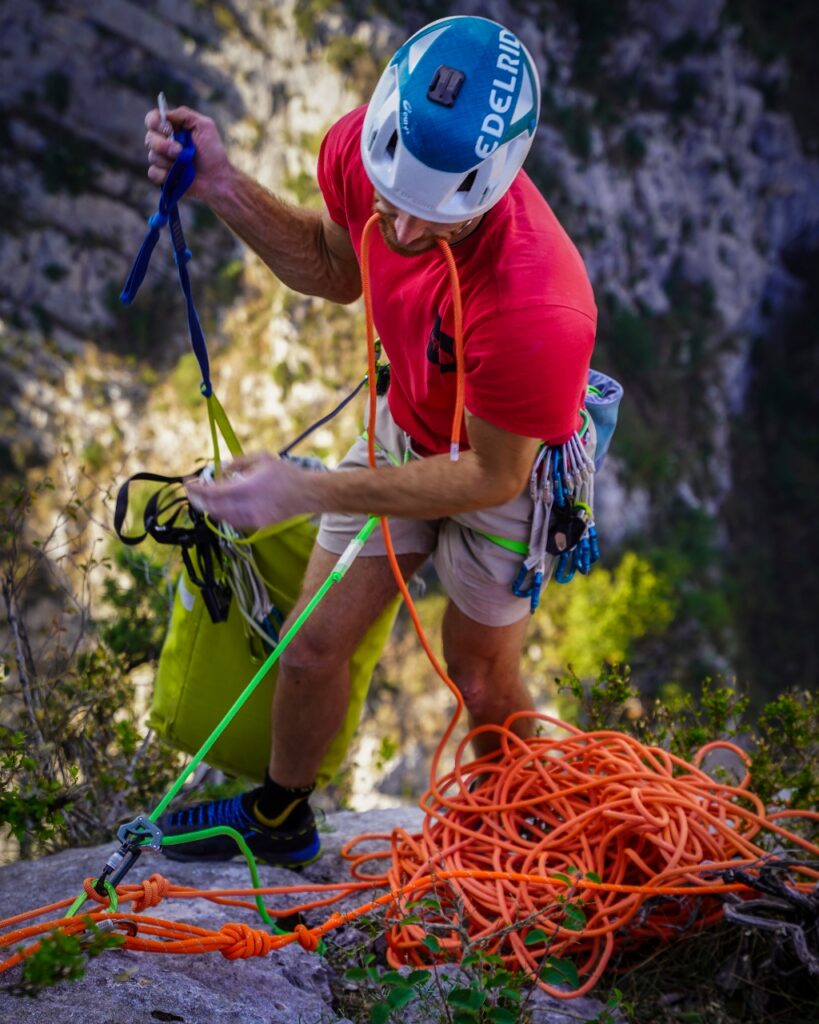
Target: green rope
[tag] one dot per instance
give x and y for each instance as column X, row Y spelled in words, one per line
column 238, row 838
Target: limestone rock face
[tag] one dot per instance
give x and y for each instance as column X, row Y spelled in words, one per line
column 290, row 986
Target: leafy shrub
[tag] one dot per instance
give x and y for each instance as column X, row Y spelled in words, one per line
column 72, row 758
column 600, row 617
column 782, row 743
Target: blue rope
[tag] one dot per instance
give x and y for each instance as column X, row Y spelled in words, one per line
column 179, row 179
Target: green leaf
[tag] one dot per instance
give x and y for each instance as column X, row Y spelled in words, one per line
column 535, row 936
column 392, row 978
column 411, row 919
column 499, row 1015
column 418, row 977
column 575, row 918
column 493, row 959
column 379, row 1013
column 499, row 979
column 559, row 972
column 594, row 877
column 562, row 877
column 431, row 943
column 510, row 995
column 355, row 974
column 465, row 1017
column 466, row 998
column 400, row 996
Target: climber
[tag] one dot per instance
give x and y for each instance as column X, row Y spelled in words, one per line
column 437, row 153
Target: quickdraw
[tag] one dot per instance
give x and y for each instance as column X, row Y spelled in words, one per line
column 561, row 486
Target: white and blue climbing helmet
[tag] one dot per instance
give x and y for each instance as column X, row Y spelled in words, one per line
column 451, row 119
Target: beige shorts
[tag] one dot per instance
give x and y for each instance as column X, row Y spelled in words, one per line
column 475, row 572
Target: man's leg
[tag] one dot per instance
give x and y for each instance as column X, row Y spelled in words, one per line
column 311, row 700
column 484, row 663
column 313, row 688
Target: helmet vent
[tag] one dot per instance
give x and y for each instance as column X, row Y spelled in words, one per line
column 445, row 85
column 392, row 144
column 468, row 181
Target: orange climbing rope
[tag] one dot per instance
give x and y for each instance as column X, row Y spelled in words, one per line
column 593, row 838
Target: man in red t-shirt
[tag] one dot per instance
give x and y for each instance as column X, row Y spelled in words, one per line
column 437, row 152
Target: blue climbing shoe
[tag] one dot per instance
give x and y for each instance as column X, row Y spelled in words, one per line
column 294, row 844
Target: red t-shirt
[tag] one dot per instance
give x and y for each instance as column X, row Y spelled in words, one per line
column 528, row 310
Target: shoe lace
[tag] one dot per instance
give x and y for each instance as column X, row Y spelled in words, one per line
column 229, row 812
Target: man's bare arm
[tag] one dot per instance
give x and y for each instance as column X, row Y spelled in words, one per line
column 305, row 249
column 495, row 470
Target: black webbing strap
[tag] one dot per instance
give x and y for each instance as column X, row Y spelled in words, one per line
column 169, row 518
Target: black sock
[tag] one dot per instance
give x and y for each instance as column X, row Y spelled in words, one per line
column 273, row 805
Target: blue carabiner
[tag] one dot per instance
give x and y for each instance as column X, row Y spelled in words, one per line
column 565, row 568
column 535, row 589
column 595, row 547
column 517, row 586
column 557, row 476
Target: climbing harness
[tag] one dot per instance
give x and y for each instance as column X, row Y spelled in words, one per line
column 563, row 535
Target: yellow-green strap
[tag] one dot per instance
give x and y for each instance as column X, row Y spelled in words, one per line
column 520, row 547
column 386, row 452
column 220, row 424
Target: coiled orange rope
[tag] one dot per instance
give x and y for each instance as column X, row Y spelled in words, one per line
column 631, row 837
column 600, row 805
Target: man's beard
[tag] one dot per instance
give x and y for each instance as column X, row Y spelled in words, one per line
column 390, row 240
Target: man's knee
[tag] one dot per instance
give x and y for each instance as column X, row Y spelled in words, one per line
column 311, row 652
column 474, row 681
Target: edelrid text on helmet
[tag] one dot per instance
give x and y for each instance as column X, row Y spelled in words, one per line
column 451, row 119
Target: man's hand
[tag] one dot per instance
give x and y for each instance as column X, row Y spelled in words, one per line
column 255, row 491
column 213, row 169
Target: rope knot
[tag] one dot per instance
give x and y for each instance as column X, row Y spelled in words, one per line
column 154, row 890
column 244, row 942
column 307, row 938
column 158, row 220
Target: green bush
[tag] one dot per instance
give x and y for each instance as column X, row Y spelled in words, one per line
column 600, row 617
column 73, row 761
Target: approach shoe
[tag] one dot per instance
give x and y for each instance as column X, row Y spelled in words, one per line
column 294, row 844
